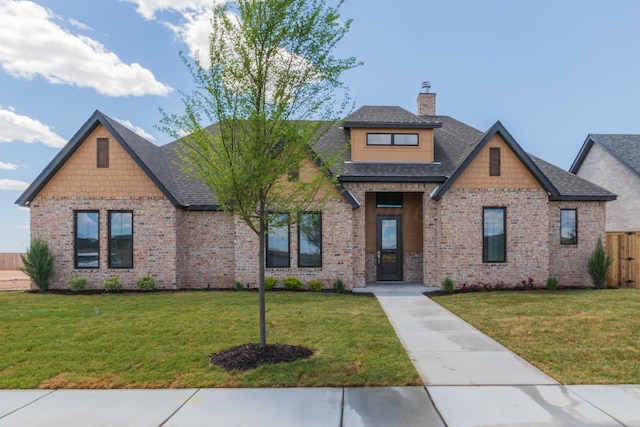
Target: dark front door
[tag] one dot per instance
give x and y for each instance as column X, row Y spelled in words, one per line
column 389, row 247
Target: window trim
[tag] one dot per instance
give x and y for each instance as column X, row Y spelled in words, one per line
column 266, row 251
column 109, row 240
column 392, row 141
column 495, row 161
column 319, row 214
column 504, row 229
column 75, row 239
column 575, row 218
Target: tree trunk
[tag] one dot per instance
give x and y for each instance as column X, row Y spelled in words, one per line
column 261, row 267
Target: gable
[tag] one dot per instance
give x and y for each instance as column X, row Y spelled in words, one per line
column 513, row 173
column 79, row 176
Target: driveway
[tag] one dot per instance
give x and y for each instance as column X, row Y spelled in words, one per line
column 13, row 280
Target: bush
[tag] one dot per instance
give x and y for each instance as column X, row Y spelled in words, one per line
column 147, row 283
column 292, row 283
column 77, row 283
column 112, row 284
column 315, row 284
column 38, row 264
column 552, row 283
column 270, row 283
column 447, row 285
column 598, row 265
column 338, row 286
column 238, row 286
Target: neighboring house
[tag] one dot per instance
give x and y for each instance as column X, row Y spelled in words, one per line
column 613, row 162
column 419, row 198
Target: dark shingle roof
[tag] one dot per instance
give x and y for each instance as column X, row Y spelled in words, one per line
column 377, row 116
column 625, row 148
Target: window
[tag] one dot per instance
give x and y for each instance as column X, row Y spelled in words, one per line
column 87, row 239
column 494, row 161
column 392, row 139
column 494, row 242
column 389, row 200
column 121, row 239
column 278, row 243
column 310, row 240
column 103, row 153
column 568, row 227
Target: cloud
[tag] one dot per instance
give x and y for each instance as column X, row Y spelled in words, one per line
column 136, row 129
column 148, row 8
column 32, row 44
column 15, row 127
column 12, row 184
column 80, row 25
column 8, row 166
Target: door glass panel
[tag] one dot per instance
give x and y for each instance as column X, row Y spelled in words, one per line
column 389, row 244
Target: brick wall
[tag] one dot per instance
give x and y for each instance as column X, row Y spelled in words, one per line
column 154, row 238
column 569, row 263
column 527, row 228
column 205, row 251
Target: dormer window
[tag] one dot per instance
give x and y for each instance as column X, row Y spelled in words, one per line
column 410, row 139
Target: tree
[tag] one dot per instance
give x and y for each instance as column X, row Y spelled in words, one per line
column 598, row 265
column 38, row 264
column 270, row 89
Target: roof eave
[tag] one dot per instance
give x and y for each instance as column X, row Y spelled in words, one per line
column 588, row 198
column 407, row 179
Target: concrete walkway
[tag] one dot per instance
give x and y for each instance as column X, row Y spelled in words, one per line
column 470, row 380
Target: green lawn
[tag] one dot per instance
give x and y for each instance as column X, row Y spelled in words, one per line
column 159, row 340
column 577, row 337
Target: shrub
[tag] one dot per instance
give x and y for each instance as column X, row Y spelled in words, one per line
column 238, row 286
column 552, row 283
column 447, row 285
column 338, row 286
column 77, row 283
column 147, row 283
column 598, row 265
column 38, row 264
column 112, row 284
column 315, row 284
column 292, row 283
column 270, row 283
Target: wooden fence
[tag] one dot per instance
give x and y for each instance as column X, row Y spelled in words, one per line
column 10, row 261
column 624, row 248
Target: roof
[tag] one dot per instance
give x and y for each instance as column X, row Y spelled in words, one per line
column 625, row 148
column 455, row 146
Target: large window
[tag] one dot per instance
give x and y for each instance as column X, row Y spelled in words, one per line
column 310, row 240
column 494, row 242
column 568, row 227
column 121, row 239
column 278, row 243
column 392, row 139
column 87, row 239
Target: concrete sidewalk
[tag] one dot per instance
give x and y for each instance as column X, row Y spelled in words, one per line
column 470, row 380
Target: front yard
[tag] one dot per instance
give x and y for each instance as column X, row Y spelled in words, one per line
column 163, row 340
column 577, row 337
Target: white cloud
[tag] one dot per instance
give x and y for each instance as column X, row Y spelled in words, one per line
column 80, row 25
column 23, row 208
column 136, row 129
column 15, row 127
column 12, row 184
column 32, row 44
column 8, row 166
column 148, row 8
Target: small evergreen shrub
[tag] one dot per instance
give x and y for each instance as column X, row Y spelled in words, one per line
column 112, row 284
column 292, row 283
column 598, row 265
column 77, row 283
column 338, row 286
column 315, row 284
column 270, row 283
column 447, row 285
column 238, row 286
column 38, row 264
column 147, row 283
column 552, row 283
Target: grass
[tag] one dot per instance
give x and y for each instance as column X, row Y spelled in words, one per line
column 163, row 340
column 576, row 337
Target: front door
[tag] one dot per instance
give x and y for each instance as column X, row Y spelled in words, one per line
column 389, row 247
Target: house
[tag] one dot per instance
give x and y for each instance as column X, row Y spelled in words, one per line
column 613, row 162
column 419, row 197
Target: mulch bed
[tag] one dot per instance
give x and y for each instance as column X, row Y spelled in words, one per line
column 250, row 356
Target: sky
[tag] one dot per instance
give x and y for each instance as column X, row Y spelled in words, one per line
column 551, row 71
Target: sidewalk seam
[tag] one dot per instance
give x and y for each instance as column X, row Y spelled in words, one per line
column 179, row 407
column 597, row 407
column 30, row 403
column 434, row 406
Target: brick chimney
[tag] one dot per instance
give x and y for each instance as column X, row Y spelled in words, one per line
column 426, row 101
